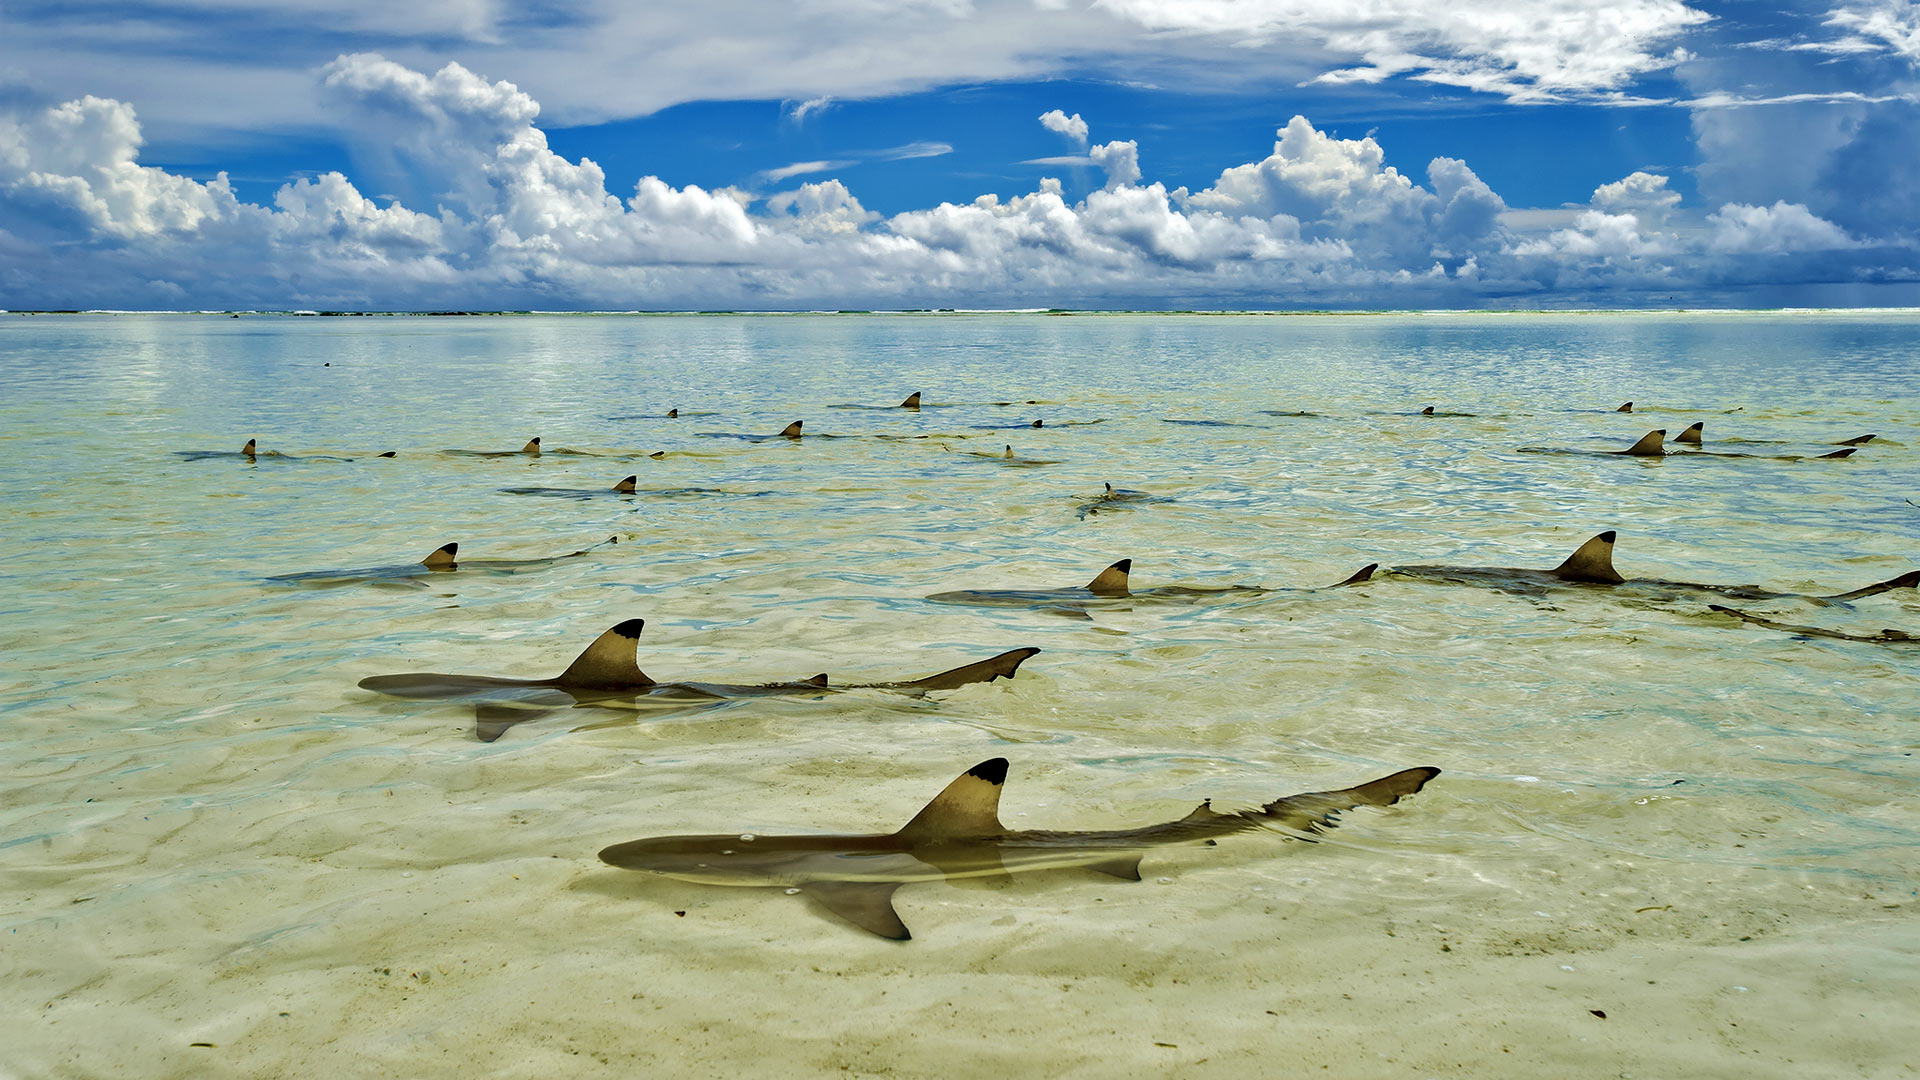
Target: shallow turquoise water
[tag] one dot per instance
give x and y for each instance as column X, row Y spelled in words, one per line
column 207, row 825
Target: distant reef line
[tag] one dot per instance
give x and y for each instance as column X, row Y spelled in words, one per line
column 962, row 312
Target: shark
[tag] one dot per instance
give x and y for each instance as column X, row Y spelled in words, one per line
column 1113, row 585
column 911, row 404
column 441, row 560
column 1119, row 498
column 1883, row 637
column 532, row 449
column 791, row 431
column 624, row 487
column 1006, row 457
column 959, row 836
column 250, row 452
column 607, row 674
column 1592, row 564
column 1694, row 436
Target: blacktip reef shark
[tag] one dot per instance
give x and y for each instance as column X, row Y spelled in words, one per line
column 1884, row 637
column 624, row 487
column 608, row 675
column 1004, row 457
column 1694, row 437
column 911, row 404
column 1119, row 498
column 251, row 452
column 1653, row 445
column 959, row 836
column 532, row 449
column 791, row 431
column 1113, row 584
column 441, row 560
column 1592, row 564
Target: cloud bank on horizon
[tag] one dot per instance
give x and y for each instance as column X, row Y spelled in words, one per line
column 1807, row 187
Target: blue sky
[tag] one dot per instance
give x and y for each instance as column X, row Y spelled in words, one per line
column 892, row 153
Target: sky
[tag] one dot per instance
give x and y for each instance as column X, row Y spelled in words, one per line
column 888, row 154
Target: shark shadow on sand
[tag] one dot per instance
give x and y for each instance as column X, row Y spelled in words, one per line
column 1884, row 637
column 959, row 836
column 441, row 560
column 1110, row 589
column 608, row 675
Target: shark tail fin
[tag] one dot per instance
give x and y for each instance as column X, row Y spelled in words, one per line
column 248, row 449
column 1360, row 576
column 1591, row 561
column 532, row 447
column 609, row 663
column 1628, row 407
column 1848, row 452
column 1315, row 810
column 1908, row 580
column 993, row 667
column 1650, row 445
column 912, row 402
column 970, row 806
column 1857, row 440
column 442, row 556
column 792, row 431
column 1428, row 411
column 1112, row 581
column 1691, row 436
column 625, row 487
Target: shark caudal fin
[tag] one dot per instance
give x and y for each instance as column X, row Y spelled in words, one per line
column 1650, row 445
column 792, row 431
column 532, row 447
column 1857, row 440
column 1315, row 810
column 247, row 450
column 1112, row 581
column 1908, row 580
column 969, row 807
column 1360, row 576
column 441, row 556
column 1691, row 436
column 1628, row 407
column 912, row 402
column 609, row 663
column 625, row 487
column 1592, row 561
column 993, row 667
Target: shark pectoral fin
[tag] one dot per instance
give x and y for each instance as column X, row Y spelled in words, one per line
column 532, row 447
column 866, row 904
column 1112, row 581
column 993, row 667
column 1652, row 444
column 1125, row 867
column 1315, row 810
column 1361, row 576
column 625, row 487
column 442, row 557
column 1908, row 580
column 1592, row 561
column 792, row 431
column 970, row 806
column 912, row 402
column 490, row 721
column 610, row 662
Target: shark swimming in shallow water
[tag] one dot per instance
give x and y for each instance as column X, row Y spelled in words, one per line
column 532, row 449
column 958, row 836
column 911, row 404
column 1110, row 588
column 251, row 452
column 1119, row 499
column 608, row 674
column 441, row 560
column 791, row 431
column 1592, row 564
column 1884, row 637
column 624, row 487
column 1694, row 436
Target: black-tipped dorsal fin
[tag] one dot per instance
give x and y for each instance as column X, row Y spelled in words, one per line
column 912, row 402
column 1848, row 452
column 1692, row 434
column 1360, row 576
column 969, row 807
column 673, row 414
column 608, row 663
column 625, row 487
column 1113, row 580
column 1652, row 444
column 442, row 556
column 1009, row 452
column 1592, row 561
column 1628, row 407
column 1039, row 423
column 792, row 431
column 1428, row 411
column 532, row 447
column 248, row 449
column 391, row 453
column 1857, row 440
column 1109, row 489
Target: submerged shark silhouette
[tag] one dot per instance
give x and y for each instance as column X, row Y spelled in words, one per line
column 251, row 452
column 624, row 487
column 608, row 674
column 441, row 560
column 1005, row 457
column 1884, row 637
column 791, row 431
column 1112, row 584
column 532, row 449
column 1592, row 564
column 959, row 835
column 1119, row 498
column 1693, row 436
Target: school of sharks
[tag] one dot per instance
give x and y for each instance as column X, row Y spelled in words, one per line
column 958, row 835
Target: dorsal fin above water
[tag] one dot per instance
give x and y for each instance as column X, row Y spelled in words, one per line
column 609, row 663
column 625, row 487
column 442, row 556
column 658, row 454
column 532, row 447
column 1857, row 440
column 1652, row 444
column 1428, row 411
column 1628, row 407
column 1113, row 580
column 1592, row 562
column 673, row 414
column 1037, row 423
column 1009, row 452
column 792, row 431
column 969, row 807
column 912, row 402
column 1360, row 576
column 1692, row 434
column 1848, row 452
column 391, row 453
column 817, row 680
column 248, row 449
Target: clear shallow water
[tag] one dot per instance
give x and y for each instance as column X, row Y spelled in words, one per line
column 209, row 834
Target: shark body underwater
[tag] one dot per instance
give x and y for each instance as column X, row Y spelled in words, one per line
column 1111, row 587
column 250, row 452
column 441, row 560
column 959, row 836
column 608, row 675
column 1882, row 637
column 1592, row 564
column 1654, row 444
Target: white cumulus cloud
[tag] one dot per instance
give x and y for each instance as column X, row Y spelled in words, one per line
column 1071, row 126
